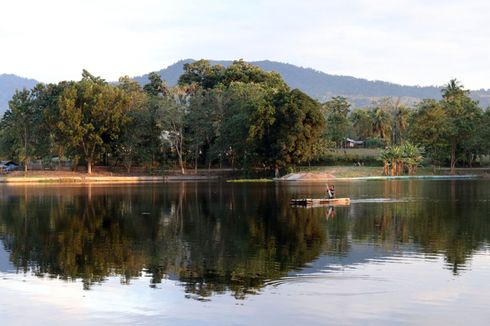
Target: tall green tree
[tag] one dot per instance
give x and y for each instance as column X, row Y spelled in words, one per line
column 155, row 87
column 46, row 103
column 247, row 118
column 361, row 123
column 462, row 115
column 18, row 125
column 91, row 114
column 401, row 115
column 176, row 108
column 338, row 126
column 382, row 123
column 202, row 73
column 428, row 128
column 129, row 147
column 298, row 126
column 201, row 122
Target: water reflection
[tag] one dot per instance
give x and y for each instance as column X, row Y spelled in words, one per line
column 217, row 238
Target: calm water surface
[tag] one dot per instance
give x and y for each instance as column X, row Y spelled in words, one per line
column 404, row 252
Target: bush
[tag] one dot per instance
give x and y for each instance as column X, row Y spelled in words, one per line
column 375, row 143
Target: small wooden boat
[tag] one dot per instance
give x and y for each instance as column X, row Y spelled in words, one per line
column 320, row 202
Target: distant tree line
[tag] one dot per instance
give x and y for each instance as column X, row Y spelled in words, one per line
column 450, row 131
column 239, row 116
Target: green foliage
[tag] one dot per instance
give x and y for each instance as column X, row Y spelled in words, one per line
column 91, row 115
column 18, row 127
column 156, row 86
column 361, row 123
column 381, row 122
column 238, row 116
column 462, row 115
column 338, row 125
column 375, row 143
column 428, row 128
column 401, row 158
column 297, row 128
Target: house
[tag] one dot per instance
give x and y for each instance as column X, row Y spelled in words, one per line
column 7, row 166
column 353, row 143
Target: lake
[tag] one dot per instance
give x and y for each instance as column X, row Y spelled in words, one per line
column 404, row 252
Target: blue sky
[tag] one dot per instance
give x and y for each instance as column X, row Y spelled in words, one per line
column 409, row 42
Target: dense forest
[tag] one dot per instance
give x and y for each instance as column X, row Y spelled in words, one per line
column 238, row 116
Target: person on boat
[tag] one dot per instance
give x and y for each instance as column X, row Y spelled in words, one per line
column 330, row 191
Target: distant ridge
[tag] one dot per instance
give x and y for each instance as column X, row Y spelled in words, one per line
column 8, row 84
column 317, row 84
column 322, row 86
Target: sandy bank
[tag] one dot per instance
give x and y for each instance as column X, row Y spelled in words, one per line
column 322, row 177
column 100, row 179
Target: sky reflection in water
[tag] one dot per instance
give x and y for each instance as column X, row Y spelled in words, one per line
column 220, row 253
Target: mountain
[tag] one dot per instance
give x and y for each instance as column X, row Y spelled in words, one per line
column 322, row 86
column 8, row 84
column 317, row 84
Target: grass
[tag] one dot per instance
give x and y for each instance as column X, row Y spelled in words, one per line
column 344, row 156
column 343, row 171
column 249, row 180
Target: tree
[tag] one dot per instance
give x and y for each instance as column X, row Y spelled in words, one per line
column 247, row 117
column 297, row 127
column 401, row 158
column 381, row 120
column 129, row 146
column 91, row 114
column 201, row 73
column 46, row 103
column 176, row 107
column 362, row 123
column 400, row 123
column 155, row 87
column 428, row 127
column 206, row 76
column 484, row 132
column 462, row 114
column 200, row 122
column 336, row 113
column 18, row 125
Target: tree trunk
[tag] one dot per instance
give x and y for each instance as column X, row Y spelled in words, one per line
column 195, row 160
column 453, row 157
column 181, row 163
column 89, row 166
column 25, row 150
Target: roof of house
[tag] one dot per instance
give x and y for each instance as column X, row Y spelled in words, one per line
column 358, row 142
column 7, row 162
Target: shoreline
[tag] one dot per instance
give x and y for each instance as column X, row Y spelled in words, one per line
column 19, row 180
column 376, row 178
column 314, row 174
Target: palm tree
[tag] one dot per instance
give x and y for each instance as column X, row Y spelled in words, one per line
column 381, row 122
column 400, row 123
column 453, row 89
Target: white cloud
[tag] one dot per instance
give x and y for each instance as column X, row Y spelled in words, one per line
column 409, row 42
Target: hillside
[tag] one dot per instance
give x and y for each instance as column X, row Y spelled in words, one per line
column 322, row 86
column 8, row 84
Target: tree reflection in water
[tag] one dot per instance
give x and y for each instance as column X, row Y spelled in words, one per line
column 216, row 237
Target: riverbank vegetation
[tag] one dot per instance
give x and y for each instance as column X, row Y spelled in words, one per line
column 238, row 116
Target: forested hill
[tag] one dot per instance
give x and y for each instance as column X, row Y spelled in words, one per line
column 322, row 86
column 8, row 85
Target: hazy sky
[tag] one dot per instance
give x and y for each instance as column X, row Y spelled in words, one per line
column 424, row 42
